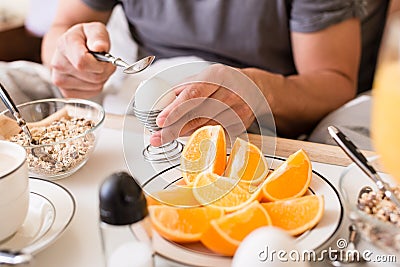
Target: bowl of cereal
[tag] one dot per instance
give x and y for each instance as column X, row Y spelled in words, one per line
column 64, row 134
column 376, row 217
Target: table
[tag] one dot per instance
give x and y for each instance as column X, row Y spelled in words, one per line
column 80, row 245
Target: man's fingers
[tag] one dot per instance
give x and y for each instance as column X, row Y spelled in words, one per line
column 73, row 45
column 67, row 81
column 188, row 127
column 212, row 112
column 199, row 91
column 76, row 71
column 190, row 115
column 172, row 132
column 226, row 116
column 62, row 69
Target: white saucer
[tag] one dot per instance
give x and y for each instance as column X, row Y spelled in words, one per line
column 51, row 209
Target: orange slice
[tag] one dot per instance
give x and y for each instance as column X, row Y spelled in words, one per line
column 182, row 224
column 296, row 215
column 247, row 163
column 179, row 196
column 152, row 200
column 290, row 180
column 204, row 151
column 225, row 234
column 221, row 192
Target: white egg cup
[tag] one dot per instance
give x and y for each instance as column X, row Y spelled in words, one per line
column 151, row 97
column 165, row 153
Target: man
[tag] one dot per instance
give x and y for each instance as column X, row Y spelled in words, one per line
column 304, row 55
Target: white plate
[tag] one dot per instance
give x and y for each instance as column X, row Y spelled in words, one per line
column 197, row 255
column 51, row 209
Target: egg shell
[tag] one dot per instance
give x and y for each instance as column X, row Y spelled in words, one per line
column 261, row 248
column 154, row 94
column 131, row 254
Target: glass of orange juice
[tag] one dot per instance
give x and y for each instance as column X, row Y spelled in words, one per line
column 385, row 121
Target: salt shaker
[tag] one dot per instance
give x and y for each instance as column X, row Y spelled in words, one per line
column 123, row 211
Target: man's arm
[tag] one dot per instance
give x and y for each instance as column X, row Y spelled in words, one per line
column 327, row 62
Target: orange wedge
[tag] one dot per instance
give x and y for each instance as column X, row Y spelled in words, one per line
column 221, row 192
column 296, row 215
column 179, row 196
column 225, row 234
column 152, row 201
column 247, row 163
column 182, row 224
column 290, row 180
column 204, row 151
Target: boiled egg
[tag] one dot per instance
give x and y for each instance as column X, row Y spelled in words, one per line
column 154, row 94
column 267, row 246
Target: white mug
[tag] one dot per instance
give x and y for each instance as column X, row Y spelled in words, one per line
column 14, row 188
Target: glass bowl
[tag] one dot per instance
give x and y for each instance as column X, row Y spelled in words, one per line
column 382, row 234
column 66, row 131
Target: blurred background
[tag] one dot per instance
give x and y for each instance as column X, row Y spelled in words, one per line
column 24, row 22
column 17, row 42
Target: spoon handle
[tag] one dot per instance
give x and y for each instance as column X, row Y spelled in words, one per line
column 352, row 233
column 107, row 57
column 7, row 100
column 5, row 97
column 351, row 150
column 355, row 154
column 103, row 56
column 13, row 258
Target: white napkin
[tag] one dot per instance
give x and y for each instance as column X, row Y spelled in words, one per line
column 26, row 81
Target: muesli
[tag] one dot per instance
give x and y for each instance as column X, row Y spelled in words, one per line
column 58, row 147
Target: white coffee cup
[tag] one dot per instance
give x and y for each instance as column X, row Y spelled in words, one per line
column 14, row 188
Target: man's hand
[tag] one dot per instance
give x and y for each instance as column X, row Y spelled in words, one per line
column 218, row 95
column 74, row 70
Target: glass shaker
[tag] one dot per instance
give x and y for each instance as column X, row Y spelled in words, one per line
column 123, row 212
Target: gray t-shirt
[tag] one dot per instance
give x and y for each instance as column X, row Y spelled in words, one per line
column 246, row 33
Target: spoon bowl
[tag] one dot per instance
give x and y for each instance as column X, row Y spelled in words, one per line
column 365, row 190
column 140, row 65
column 14, row 258
column 136, row 67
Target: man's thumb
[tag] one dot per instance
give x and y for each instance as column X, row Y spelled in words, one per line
column 97, row 38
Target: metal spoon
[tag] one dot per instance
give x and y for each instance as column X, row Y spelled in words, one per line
column 14, row 258
column 365, row 190
column 36, row 151
column 5, row 97
column 136, row 67
column 350, row 255
column 355, row 154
